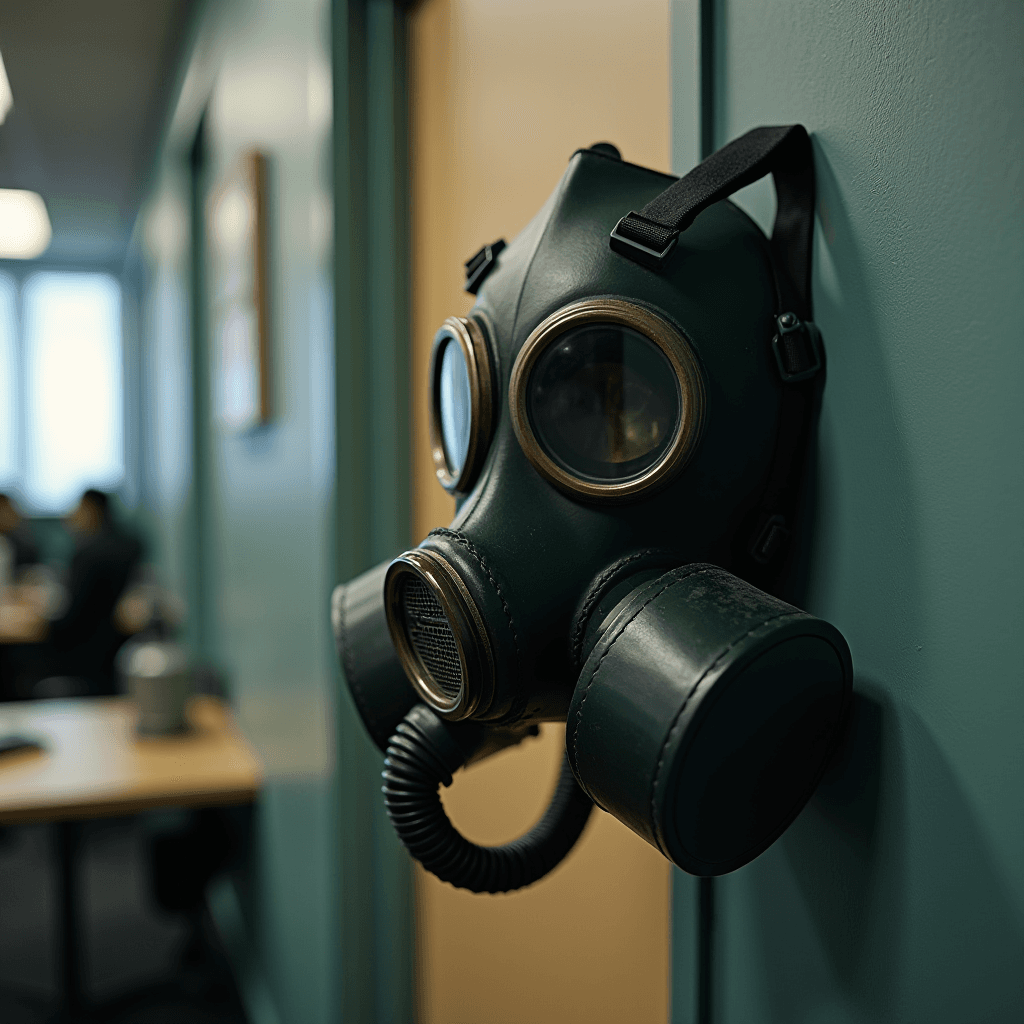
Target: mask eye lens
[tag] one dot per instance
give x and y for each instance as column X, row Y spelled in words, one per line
column 603, row 402
column 607, row 399
column 461, row 403
column 455, row 407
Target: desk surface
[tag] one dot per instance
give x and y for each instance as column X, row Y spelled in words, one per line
column 94, row 764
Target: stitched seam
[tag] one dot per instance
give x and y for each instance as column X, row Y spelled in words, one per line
column 604, row 654
column 689, row 696
column 515, row 712
column 596, row 595
column 529, row 266
column 471, row 548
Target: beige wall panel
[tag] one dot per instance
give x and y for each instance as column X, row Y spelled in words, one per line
column 501, row 95
column 588, row 943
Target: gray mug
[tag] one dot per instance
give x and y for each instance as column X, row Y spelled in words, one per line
column 156, row 677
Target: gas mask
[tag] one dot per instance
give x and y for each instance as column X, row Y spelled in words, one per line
column 624, row 418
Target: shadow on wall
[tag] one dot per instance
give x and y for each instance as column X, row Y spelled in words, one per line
column 846, row 859
column 839, row 902
column 836, row 855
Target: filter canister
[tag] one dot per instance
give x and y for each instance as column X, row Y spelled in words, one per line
column 706, row 715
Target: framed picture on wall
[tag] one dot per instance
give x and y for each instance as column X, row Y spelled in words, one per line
column 239, row 295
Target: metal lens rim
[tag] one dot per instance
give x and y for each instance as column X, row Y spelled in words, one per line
column 467, row 333
column 467, row 629
column 672, row 344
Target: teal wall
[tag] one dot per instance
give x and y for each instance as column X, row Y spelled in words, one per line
column 898, row 895
column 372, row 444
column 245, row 520
column 256, row 528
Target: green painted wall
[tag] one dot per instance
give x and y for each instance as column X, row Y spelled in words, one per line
column 898, row 895
column 372, row 444
column 256, row 528
column 246, row 520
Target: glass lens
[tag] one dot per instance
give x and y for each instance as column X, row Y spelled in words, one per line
column 603, row 402
column 456, row 406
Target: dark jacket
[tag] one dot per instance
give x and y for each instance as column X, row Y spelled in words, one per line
column 84, row 639
column 26, row 551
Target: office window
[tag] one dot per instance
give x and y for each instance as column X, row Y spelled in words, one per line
column 72, row 397
column 8, row 385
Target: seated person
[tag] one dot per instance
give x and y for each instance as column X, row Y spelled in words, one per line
column 84, row 640
column 17, row 533
column 19, row 623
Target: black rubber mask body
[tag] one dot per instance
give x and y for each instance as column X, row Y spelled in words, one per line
column 700, row 709
column 530, row 554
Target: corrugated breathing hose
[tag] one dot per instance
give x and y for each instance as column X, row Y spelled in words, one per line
column 421, row 757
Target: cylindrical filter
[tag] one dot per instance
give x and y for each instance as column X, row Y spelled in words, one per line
column 706, row 714
column 382, row 693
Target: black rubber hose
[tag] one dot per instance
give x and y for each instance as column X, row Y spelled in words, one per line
column 421, row 757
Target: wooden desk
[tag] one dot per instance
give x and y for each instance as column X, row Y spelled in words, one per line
column 21, row 618
column 94, row 764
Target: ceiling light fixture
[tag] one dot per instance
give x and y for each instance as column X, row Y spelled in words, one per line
column 24, row 224
column 6, row 96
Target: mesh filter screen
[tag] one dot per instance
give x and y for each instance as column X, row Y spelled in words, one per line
column 431, row 637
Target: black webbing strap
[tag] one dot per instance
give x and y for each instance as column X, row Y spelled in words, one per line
column 648, row 237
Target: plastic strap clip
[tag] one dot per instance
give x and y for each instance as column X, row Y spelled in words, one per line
column 629, row 236
column 797, row 348
column 480, row 264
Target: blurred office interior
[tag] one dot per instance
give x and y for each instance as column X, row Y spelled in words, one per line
column 230, row 230
column 254, row 221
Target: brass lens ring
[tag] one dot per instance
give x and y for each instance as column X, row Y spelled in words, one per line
column 469, row 336
column 439, row 634
column 676, row 350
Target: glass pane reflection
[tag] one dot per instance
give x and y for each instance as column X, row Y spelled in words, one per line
column 604, row 402
column 456, row 407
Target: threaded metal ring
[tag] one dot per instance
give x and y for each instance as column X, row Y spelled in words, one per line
column 439, row 634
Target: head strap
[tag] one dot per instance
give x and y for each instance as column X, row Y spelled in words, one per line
column 648, row 237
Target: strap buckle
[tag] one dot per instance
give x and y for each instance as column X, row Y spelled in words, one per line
column 480, row 264
column 797, row 348
column 770, row 541
column 636, row 251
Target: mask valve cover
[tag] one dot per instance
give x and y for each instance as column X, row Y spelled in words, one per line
column 439, row 634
